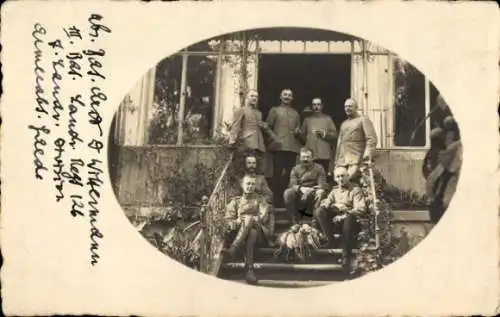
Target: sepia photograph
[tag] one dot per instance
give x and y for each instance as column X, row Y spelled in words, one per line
column 284, row 157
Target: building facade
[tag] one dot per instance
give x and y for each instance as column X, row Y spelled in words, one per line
column 202, row 85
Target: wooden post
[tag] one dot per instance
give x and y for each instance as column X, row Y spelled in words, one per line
column 365, row 76
column 203, row 241
column 243, row 69
column 217, row 107
column 352, row 68
column 182, row 102
column 427, row 110
column 256, row 73
column 391, row 113
column 147, row 101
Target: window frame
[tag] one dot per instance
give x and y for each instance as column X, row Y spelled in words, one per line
column 390, row 133
column 185, row 54
column 217, row 110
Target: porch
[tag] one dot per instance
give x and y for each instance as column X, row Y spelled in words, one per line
column 169, row 131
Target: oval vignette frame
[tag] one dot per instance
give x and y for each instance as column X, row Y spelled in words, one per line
column 186, row 166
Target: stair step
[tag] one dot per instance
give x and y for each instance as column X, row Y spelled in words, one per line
column 317, row 251
column 287, row 222
column 287, row 284
column 286, row 266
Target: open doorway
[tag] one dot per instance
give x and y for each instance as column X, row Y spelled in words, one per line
column 309, row 76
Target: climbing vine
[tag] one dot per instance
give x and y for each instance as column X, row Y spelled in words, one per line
column 391, row 247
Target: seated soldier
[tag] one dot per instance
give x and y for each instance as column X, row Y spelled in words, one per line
column 307, row 185
column 261, row 186
column 344, row 203
column 246, row 217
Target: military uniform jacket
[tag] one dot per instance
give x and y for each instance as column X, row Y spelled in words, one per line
column 255, row 205
column 246, row 128
column 322, row 147
column 357, row 136
column 308, row 177
column 284, row 120
column 349, row 195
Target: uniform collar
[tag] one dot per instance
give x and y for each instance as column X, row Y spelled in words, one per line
column 347, row 186
column 307, row 167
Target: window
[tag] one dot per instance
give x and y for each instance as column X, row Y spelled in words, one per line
column 164, row 124
column 410, row 102
column 200, row 93
column 196, row 104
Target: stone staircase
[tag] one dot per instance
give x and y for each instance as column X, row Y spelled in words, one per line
column 322, row 268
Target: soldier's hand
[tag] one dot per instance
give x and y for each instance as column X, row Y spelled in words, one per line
column 319, row 194
column 339, row 218
column 325, row 203
column 341, row 207
column 264, row 125
column 232, row 144
column 307, row 190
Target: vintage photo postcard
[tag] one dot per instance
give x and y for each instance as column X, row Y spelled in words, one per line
column 253, row 158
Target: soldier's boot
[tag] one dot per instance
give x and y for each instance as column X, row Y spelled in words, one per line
column 249, row 257
column 290, row 197
column 349, row 237
column 346, row 261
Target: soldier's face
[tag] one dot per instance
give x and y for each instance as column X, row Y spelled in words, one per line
column 248, row 185
column 286, row 96
column 350, row 107
column 251, row 164
column 340, row 176
column 317, row 106
column 252, row 98
column 305, row 157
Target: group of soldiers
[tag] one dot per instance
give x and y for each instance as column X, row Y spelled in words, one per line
column 315, row 142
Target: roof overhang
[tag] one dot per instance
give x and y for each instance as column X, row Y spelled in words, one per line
column 298, row 34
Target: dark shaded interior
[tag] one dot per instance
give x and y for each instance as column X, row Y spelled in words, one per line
column 309, row 76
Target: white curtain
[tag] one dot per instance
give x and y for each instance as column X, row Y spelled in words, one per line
column 135, row 112
column 357, row 81
column 378, row 82
column 228, row 94
column 229, row 98
column 371, row 87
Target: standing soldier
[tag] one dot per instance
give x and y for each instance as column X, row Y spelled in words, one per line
column 357, row 140
column 285, row 122
column 248, row 126
column 320, row 134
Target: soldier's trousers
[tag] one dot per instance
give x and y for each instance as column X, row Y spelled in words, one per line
column 283, row 163
column 349, row 227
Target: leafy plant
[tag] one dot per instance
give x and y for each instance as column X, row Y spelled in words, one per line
column 391, row 247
